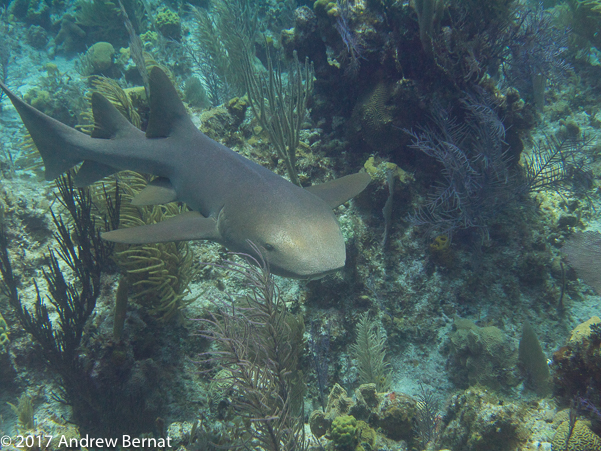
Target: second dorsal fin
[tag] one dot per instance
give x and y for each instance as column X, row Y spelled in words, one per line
column 108, row 121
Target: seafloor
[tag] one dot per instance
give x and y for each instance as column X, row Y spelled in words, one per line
column 456, row 311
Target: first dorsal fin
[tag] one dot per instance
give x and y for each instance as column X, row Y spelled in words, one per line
column 166, row 108
column 108, row 121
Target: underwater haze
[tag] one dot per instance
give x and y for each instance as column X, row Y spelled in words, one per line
column 391, row 241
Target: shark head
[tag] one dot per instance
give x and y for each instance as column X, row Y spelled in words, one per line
column 293, row 244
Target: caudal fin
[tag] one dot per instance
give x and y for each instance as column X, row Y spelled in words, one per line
column 59, row 144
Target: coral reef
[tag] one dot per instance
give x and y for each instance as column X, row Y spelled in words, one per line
column 168, row 23
column 576, row 365
column 100, row 58
column 347, row 422
column 481, row 355
column 343, row 432
column 498, row 171
column 476, row 421
column 579, row 437
column 534, row 362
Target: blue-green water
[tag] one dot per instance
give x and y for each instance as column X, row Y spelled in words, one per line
column 467, row 277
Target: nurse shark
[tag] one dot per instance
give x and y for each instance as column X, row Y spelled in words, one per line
column 234, row 201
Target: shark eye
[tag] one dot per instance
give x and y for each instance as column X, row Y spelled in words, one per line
column 268, row 247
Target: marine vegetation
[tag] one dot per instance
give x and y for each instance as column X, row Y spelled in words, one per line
column 586, row 19
column 427, row 420
column 4, row 340
column 82, row 250
column 102, row 18
column 259, row 343
column 478, row 183
column 536, row 54
column 218, row 44
column 281, row 107
column 353, row 42
column 534, row 362
column 559, row 161
column 112, row 378
column 369, row 350
column 24, row 411
column 582, row 251
column 158, row 273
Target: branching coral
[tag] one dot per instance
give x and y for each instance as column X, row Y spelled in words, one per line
column 587, row 17
column 353, row 42
column 24, row 411
column 104, row 16
column 557, row 160
column 159, row 273
column 111, row 90
column 209, row 55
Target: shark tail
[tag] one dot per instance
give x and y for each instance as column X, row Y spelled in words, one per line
column 63, row 147
column 58, row 143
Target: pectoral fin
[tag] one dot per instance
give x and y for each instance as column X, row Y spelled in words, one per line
column 159, row 191
column 338, row 191
column 190, row 225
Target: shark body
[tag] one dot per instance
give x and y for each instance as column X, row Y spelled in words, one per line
column 234, row 201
